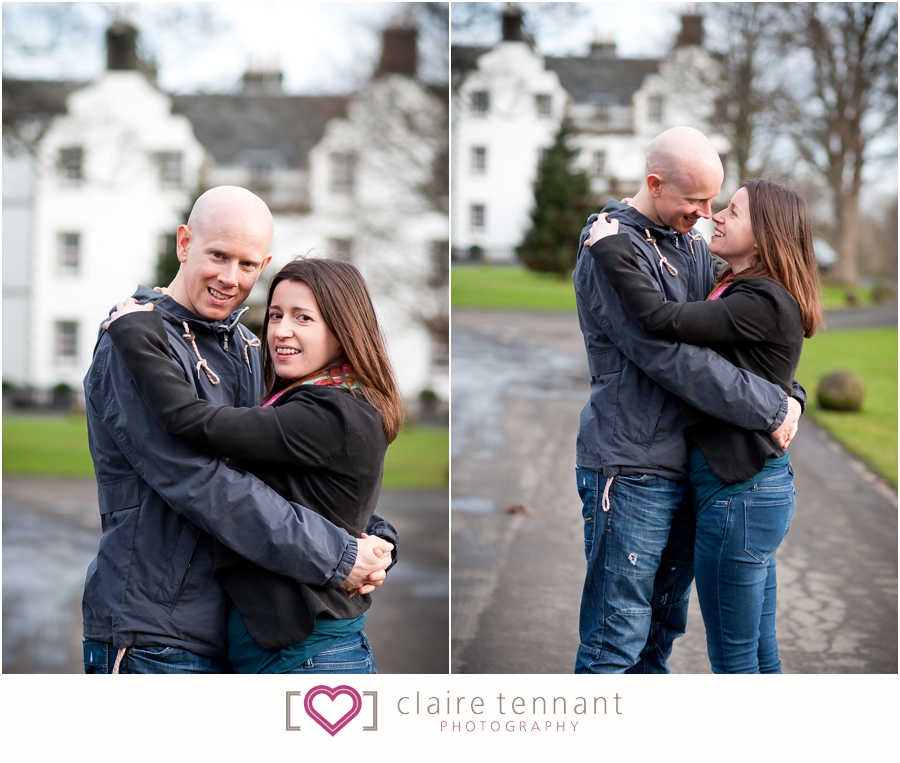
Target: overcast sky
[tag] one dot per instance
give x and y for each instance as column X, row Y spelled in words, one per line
column 321, row 47
column 641, row 30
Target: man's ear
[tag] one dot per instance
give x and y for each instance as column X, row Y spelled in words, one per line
column 654, row 185
column 265, row 264
column 182, row 242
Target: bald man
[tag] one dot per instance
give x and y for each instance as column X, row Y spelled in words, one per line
column 151, row 602
column 631, row 454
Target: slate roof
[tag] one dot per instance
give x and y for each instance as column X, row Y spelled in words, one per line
column 595, row 80
column 26, row 100
column 231, row 124
column 587, row 79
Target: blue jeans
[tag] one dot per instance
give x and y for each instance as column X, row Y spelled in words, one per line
column 735, row 567
column 349, row 654
column 639, row 571
column 100, row 657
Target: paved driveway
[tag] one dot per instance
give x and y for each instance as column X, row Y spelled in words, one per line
column 519, row 383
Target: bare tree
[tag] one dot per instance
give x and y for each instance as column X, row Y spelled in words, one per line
column 742, row 36
column 844, row 100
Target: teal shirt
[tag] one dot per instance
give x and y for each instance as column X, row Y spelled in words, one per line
column 246, row 656
column 707, row 488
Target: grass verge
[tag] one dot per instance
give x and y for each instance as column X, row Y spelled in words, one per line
column 510, row 288
column 57, row 446
column 872, row 355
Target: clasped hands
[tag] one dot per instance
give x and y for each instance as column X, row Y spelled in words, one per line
column 373, row 557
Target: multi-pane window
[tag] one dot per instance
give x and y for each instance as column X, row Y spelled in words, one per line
column 477, row 218
column 598, row 164
column 71, row 169
column 66, row 342
column 479, row 160
column 481, row 103
column 655, row 108
column 440, row 264
column 544, row 106
column 603, row 112
column 169, row 163
column 68, row 257
column 340, row 249
column 343, row 173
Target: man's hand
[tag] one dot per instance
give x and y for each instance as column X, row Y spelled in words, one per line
column 373, row 557
column 788, row 429
column 130, row 305
column 602, row 228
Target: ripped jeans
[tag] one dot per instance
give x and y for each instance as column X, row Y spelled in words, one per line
column 639, row 570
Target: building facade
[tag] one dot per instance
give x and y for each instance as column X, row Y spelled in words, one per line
column 508, row 103
column 98, row 176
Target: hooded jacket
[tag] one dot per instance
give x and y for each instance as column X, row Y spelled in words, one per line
column 632, row 423
column 162, row 503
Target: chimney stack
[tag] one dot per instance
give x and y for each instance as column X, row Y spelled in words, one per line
column 121, row 47
column 398, row 52
column 512, row 23
column 691, row 31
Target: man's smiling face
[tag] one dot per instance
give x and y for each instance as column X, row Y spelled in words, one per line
column 221, row 260
column 683, row 201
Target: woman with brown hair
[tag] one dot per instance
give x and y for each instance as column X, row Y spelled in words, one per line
column 331, row 408
column 765, row 302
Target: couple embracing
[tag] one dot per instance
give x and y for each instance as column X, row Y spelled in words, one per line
column 238, row 537
column 682, row 463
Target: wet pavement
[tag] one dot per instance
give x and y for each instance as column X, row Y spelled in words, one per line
column 520, row 381
column 51, row 528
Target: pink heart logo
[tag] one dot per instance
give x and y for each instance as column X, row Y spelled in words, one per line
column 332, row 728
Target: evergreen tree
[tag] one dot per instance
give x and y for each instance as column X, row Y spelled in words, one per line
column 562, row 203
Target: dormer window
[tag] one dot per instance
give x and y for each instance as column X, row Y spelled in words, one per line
column 544, row 106
column 71, row 171
column 343, row 173
column 481, row 103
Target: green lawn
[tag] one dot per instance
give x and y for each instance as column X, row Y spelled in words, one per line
column 513, row 287
column 872, row 355
column 510, row 288
column 57, row 446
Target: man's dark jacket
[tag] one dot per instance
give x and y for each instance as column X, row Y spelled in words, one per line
column 162, row 503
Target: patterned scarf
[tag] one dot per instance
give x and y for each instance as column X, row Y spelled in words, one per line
column 336, row 376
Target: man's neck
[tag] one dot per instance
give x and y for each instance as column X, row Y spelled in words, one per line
column 644, row 203
column 176, row 291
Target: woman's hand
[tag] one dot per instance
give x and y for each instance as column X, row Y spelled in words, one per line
column 602, row 228
column 130, row 305
column 372, row 558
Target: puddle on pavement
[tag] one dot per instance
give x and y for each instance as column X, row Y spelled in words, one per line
column 472, row 504
column 486, row 370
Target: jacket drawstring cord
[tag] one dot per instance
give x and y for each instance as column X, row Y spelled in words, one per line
column 201, row 361
column 248, row 343
column 119, row 656
column 663, row 262
column 692, row 237
column 232, row 326
column 604, row 503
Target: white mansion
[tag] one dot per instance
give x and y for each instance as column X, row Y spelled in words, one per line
column 97, row 177
column 508, row 103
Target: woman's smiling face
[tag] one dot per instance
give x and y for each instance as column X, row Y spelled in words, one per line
column 733, row 238
column 300, row 342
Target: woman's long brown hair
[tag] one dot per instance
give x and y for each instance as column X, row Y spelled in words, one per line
column 782, row 227
column 346, row 307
